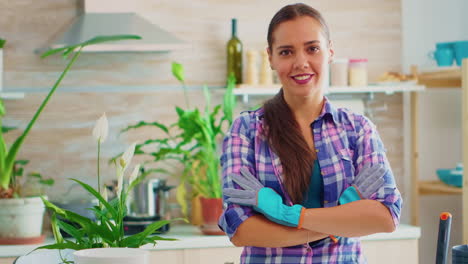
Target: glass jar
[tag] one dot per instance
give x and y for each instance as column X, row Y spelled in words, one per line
column 339, row 72
column 358, row 72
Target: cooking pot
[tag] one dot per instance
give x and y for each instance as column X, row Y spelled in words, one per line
column 149, row 199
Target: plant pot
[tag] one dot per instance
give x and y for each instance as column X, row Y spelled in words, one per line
column 196, row 217
column 21, row 220
column 111, row 256
column 212, row 208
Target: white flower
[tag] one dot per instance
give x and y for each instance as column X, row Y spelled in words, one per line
column 126, row 158
column 104, row 193
column 101, row 129
column 134, row 174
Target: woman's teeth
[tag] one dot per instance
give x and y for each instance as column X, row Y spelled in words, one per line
column 302, row 77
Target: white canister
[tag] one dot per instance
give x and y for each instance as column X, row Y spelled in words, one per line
column 339, row 72
column 111, row 256
column 358, row 72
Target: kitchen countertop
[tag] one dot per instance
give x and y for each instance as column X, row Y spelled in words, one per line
column 190, row 237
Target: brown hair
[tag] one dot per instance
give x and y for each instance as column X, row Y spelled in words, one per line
column 283, row 131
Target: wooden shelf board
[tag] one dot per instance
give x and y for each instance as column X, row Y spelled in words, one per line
column 437, row 187
column 445, row 78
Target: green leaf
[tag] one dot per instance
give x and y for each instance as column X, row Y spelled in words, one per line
column 21, row 162
column 96, row 40
column 6, row 129
column 91, row 190
column 55, row 228
column 137, row 239
column 48, row 182
column 178, row 71
column 65, row 245
column 143, row 123
column 71, row 230
column 2, row 43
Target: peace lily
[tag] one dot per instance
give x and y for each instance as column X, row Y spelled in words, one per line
column 122, row 165
column 108, row 230
column 100, row 131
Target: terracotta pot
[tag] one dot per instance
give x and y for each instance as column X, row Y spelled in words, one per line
column 212, row 209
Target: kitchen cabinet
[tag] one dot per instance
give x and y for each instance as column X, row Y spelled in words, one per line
column 192, row 247
column 439, row 80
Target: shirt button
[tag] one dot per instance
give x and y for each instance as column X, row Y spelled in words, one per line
column 316, row 150
column 325, row 202
column 323, row 172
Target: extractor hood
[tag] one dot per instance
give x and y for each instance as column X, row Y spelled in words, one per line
column 91, row 24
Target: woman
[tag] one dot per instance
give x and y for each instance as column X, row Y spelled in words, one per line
column 302, row 179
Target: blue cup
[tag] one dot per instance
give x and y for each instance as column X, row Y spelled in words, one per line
column 443, row 56
column 461, row 51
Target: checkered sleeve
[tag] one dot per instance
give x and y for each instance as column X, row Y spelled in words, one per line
column 237, row 152
column 370, row 150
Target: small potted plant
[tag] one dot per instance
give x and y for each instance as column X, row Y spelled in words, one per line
column 28, row 226
column 96, row 240
column 193, row 141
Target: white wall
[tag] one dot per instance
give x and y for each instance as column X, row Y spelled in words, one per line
column 424, row 23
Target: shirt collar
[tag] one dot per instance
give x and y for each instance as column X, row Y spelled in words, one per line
column 328, row 109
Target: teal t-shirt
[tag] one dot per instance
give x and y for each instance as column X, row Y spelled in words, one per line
column 314, row 196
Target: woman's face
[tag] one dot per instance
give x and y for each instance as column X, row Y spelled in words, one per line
column 300, row 54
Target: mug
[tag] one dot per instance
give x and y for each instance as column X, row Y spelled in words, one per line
column 443, row 56
column 461, row 51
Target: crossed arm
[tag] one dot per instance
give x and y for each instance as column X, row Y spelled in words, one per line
column 354, row 219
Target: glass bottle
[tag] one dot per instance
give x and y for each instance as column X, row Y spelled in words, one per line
column 234, row 54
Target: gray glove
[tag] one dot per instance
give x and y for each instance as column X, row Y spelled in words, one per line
column 264, row 200
column 370, row 179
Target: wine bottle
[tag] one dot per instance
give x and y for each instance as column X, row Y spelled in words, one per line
column 234, row 54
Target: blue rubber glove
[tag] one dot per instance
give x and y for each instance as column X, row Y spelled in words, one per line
column 264, row 200
column 367, row 182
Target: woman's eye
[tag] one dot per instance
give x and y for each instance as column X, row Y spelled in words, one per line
column 284, row 52
column 314, row 49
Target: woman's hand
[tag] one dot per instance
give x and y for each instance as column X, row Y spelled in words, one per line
column 262, row 199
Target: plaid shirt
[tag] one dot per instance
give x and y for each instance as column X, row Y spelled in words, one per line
column 344, row 142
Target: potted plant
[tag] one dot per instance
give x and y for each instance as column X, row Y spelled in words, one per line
column 193, row 141
column 107, row 229
column 29, row 211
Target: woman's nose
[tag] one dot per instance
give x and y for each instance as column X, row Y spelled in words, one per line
column 301, row 61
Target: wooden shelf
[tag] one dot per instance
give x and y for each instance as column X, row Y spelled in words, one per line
column 437, row 187
column 444, row 78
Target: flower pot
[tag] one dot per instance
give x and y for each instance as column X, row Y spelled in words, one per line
column 212, row 208
column 196, row 217
column 111, row 256
column 21, row 220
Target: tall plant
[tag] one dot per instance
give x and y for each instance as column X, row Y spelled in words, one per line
column 8, row 155
column 191, row 141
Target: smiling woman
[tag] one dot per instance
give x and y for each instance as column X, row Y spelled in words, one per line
column 303, row 180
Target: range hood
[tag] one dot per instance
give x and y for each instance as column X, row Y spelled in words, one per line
column 91, row 24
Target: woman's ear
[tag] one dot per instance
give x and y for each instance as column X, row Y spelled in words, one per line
column 269, row 57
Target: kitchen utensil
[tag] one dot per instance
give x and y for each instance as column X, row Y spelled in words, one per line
column 453, row 177
column 147, row 203
column 461, row 51
column 445, row 223
column 443, row 56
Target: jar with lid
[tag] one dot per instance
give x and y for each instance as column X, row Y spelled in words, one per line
column 339, row 72
column 358, row 72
